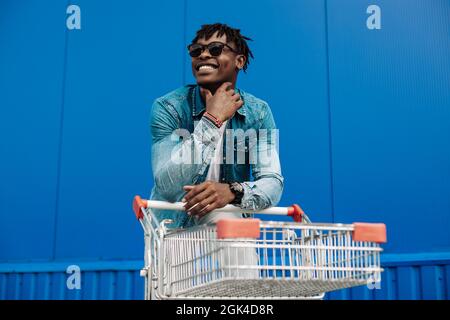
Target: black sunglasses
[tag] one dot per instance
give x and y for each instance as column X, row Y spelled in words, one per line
column 214, row 48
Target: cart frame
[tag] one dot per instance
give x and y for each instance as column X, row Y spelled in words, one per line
column 253, row 259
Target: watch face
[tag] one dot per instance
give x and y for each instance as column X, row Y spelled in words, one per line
column 238, row 191
column 238, row 187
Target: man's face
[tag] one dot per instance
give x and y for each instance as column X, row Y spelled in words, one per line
column 224, row 67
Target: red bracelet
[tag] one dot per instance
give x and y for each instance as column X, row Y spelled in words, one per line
column 215, row 120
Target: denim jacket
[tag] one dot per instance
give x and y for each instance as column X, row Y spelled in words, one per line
column 183, row 143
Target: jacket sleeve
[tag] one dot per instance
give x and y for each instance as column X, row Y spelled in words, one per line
column 266, row 189
column 178, row 157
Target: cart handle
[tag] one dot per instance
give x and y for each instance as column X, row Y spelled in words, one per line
column 293, row 211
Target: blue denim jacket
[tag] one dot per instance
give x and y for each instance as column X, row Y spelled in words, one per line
column 183, row 143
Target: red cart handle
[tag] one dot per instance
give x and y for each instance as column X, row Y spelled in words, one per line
column 296, row 212
column 138, row 205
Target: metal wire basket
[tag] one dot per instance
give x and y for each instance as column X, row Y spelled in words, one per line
column 253, row 259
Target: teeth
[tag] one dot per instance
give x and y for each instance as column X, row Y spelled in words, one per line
column 206, row 67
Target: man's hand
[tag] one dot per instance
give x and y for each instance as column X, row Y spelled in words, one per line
column 207, row 196
column 224, row 103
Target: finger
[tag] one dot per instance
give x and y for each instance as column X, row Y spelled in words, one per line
column 205, row 203
column 202, row 212
column 191, row 205
column 191, row 197
column 211, row 203
column 208, row 209
column 194, row 191
column 196, row 209
column 189, row 212
column 187, row 189
column 205, row 92
column 236, row 97
column 226, row 86
column 230, row 91
column 239, row 104
column 197, row 200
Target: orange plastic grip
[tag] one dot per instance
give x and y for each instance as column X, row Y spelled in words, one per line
column 296, row 212
column 238, row 228
column 369, row 232
column 138, row 204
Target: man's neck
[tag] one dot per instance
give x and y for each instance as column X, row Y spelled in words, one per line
column 213, row 88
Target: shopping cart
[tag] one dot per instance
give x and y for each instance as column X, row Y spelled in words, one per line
column 253, row 259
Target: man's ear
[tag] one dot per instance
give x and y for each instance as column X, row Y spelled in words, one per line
column 240, row 61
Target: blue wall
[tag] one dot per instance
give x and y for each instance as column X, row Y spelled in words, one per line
column 364, row 118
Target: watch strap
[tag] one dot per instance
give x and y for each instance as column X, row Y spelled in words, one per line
column 238, row 191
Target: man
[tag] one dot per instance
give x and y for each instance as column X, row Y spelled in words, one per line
column 190, row 166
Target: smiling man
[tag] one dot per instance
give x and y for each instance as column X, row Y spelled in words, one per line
column 210, row 141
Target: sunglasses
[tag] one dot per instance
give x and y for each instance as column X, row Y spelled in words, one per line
column 214, row 48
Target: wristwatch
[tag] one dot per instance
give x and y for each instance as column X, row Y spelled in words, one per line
column 238, row 191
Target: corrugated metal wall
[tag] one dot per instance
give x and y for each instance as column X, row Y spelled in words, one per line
column 99, row 280
column 418, row 276
column 407, row 277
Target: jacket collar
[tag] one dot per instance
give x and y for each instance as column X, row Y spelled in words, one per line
column 198, row 106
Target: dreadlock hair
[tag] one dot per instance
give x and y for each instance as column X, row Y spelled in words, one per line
column 233, row 35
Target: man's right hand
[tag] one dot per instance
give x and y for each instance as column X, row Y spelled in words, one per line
column 224, row 103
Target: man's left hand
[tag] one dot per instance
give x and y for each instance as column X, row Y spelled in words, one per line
column 207, row 196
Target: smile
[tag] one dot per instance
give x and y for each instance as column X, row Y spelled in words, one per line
column 206, row 66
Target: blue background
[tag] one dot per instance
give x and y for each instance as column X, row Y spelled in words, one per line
column 364, row 119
